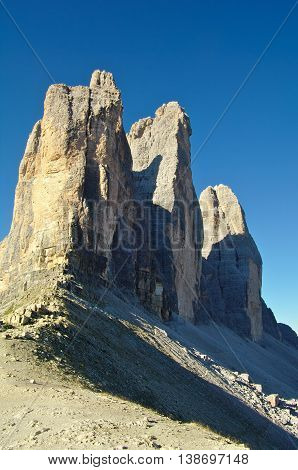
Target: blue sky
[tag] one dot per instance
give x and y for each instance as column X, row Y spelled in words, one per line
column 194, row 52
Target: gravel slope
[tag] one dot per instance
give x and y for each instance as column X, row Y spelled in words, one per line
column 59, row 413
column 111, row 360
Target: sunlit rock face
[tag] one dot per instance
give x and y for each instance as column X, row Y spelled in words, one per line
column 74, row 206
column 73, row 180
column 232, row 265
column 169, row 263
column 96, row 205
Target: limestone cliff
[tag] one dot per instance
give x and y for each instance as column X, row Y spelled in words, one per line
column 95, row 205
column 169, row 261
column 270, row 324
column 75, row 172
column 232, row 265
column 288, row 335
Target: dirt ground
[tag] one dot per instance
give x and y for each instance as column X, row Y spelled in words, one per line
column 85, row 374
column 58, row 413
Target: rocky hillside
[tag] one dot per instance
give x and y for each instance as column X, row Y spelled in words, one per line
column 77, row 337
column 116, row 276
column 96, row 203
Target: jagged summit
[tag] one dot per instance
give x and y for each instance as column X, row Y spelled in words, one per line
column 288, row 335
column 86, row 188
column 232, row 269
column 76, row 179
column 227, row 203
column 104, row 89
column 102, row 278
column 76, row 160
column 102, row 79
column 170, row 110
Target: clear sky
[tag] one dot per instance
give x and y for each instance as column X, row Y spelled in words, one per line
column 194, row 52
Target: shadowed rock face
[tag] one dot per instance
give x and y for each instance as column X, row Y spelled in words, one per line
column 171, row 259
column 232, row 271
column 270, row 324
column 232, row 265
column 73, row 214
column 73, row 210
column 288, row 335
column 75, row 172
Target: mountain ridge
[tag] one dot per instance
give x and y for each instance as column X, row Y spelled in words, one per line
column 115, row 272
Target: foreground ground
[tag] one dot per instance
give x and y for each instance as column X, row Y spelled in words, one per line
column 88, row 373
column 59, row 413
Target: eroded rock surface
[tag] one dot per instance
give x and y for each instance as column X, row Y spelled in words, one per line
column 169, row 261
column 73, row 180
column 288, row 335
column 232, row 265
column 73, row 211
column 270, row 324
column 74, row 225
column 74, row 216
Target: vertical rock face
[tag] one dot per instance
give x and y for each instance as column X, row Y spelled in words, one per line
column 72, row 205
column 232, row 265
column 270, row 324
column 169, row 258
column 288, row 335
column 75, row 171
column 98, row 204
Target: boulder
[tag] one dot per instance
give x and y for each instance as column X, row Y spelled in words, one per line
column 24, row 320
column 245, row 377
column 273, row 400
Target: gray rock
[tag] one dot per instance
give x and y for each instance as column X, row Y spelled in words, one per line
column 273, row 400
column 168, row 262
column 285, row 420
column 270, row 324
column 288, row 335
column 26, row 335
column 17, row 319
column 232, row 265
column 258, row 388
column 24, row 320
column 87, row 230
column 245, row 377
column 79, row 148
